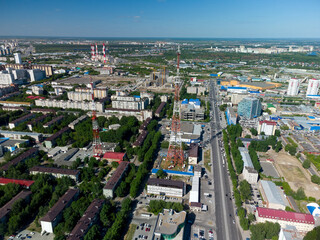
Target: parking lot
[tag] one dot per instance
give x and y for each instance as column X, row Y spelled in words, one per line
column 26, row 234
column 145, row 227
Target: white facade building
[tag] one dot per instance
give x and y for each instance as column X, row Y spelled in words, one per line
column 127, row 102
column 293, row 87
column 69, row 104
column 6, row 78
column 313, row 87
column 301, row 221
column 268, row 127
column 166, row 187
column 17, row 58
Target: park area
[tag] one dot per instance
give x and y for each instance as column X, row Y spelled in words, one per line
column 291, row 169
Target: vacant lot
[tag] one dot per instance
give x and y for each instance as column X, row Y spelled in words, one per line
column 291, row 169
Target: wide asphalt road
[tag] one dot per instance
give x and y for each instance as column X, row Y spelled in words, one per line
column 225, row 219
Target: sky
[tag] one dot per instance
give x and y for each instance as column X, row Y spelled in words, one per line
column 161, row 18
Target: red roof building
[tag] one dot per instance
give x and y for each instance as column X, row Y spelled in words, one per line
column 303, row 222
column 114, row 156
column 268, row 127
column 25, row 183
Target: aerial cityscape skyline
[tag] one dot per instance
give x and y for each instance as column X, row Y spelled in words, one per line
column 162, row 18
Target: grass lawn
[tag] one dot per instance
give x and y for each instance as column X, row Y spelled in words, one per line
column 131, row 231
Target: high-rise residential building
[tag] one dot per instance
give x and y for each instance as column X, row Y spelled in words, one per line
column 36, row 74
column 6, row 78
column 313, row 87
column 17, row 58
column 249, row 108
column 293, row 87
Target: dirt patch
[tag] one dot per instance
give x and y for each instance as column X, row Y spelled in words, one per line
column 291, row 169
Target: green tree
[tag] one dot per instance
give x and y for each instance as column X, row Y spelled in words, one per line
column 245, row 190
column 277, row 133
column 315, row 179
column 313, row 235
column 253, row 131
column 161, row 173
column 262, row 231
column 306, row 164
column 93, row 233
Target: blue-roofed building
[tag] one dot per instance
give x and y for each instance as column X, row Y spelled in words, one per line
column 273, row 195
column 185, row 102
column 314, row 209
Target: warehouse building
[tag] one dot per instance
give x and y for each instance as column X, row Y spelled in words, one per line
column 194, row 193
column 273, row 195
column 89, row 218
column 268, row 127
column 6, row 209
column 53, row 217
column 114, row 181
column 166, row 187
column 56, row 172
column 303, row 222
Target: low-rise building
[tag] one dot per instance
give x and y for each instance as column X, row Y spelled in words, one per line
column 303, row 222
column 273, row 195
column 90, row 217
column 170, row 224
column 114, row 156
column 144, row 125
column 18, row 135
column 77, row 121
column 159, row 109
column 6, row 209
column 56, row 172
column 53, row 217
column 248, row 172
column 18, row 121
column 35, row 121
column 193, row 154
column 21, row 158
column 53, row 121
column 268, row 127
column 290, row 233
column 166, row 187
column 51, row 141
column 21, row 182
column 195, row 190
column 114, row 181
column 140, row 139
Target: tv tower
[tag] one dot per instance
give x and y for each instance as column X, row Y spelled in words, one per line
column 104, row 53
column 175, row 151
column 96, row 143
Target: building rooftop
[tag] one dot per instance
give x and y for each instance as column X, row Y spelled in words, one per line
column 53, row 121
column 268, row 122
column 38, row 119
column 20, row 158
column 193, row 152
column 116, row 175
column 285, row 215
column 58, row 134
column 169, row 221
column 165, row 183
column 88, row 218
column 42, row 110
column 114, row 155
column 273, row 193
column 247, row 162
column 25, row 183
column 24, row 118
column 140, row 138
column 60, row 205
column 20, row 133
column 145, row 124
column 8, row 206
column 159, row 109
column 64, row 171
